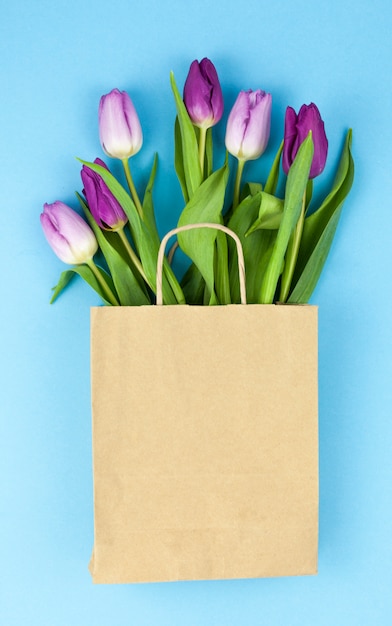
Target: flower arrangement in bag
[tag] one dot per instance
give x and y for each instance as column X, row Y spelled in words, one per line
column 285, row 238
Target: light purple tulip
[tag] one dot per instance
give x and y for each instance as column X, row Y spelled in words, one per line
column 104, row 207
column 119, row 126
column 248, row 126
column 203, row 94
column 68, row 234
column 296, row 129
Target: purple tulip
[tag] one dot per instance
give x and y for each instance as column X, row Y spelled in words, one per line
column 105, row 208
column 296, row 129
column 203, row 94
column 119, row 126
column 249, row 123
column 68, row 234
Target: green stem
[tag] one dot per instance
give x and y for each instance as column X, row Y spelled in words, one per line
column 292, row 254
column 237, row 183
column 202, row 149
column 177, row 291
column 105, row 287
column 222, row 280
column 132, row 187
column 132, row 256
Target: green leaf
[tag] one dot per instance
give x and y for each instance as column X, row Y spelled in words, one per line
column 149, row 219
column 205, row 206
column 250, row 189
column 311, row 273
column 86, row 273
column 193, row 285
column 222, row 282
column 143, row 235
column 318, row 220
column 129, row 288
column 64, row 280
column 179, row 159
column 190, row 150
column 270, row 213
column 273, row 177
column 148, row 203
column 257, row 249
column 208, row 165
column 309, row 194
column 295, row 188
column 320, row 227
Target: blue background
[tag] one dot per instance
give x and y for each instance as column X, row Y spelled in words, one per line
column 56, row 59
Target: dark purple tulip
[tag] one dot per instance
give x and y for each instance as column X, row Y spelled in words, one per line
column 296, row 129
column 104, row 207
column 203, row 94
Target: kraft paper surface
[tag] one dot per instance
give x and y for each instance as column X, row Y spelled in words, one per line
column 205, row 443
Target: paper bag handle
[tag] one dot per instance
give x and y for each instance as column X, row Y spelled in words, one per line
column 180, row 229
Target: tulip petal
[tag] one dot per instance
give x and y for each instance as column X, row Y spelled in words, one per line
column 215, row 94
column 290, row 135
column 258, row 128
column 106, row 210
column 119, row 126
column 297, row 128
column 248, row 125
column 67, row 233
column 203, row 94
column 237, row 124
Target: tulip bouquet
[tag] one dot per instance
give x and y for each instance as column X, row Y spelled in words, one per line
column 285, row 238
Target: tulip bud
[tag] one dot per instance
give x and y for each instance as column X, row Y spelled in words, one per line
column 203, row 94
column 104, row 207
column 296, row 129
column 68, row 234
column 119, row 126
column 249, row 123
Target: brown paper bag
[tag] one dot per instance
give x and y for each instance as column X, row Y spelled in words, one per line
column 205, row 445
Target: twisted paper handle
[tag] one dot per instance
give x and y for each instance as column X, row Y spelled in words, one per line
column 180, row 229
